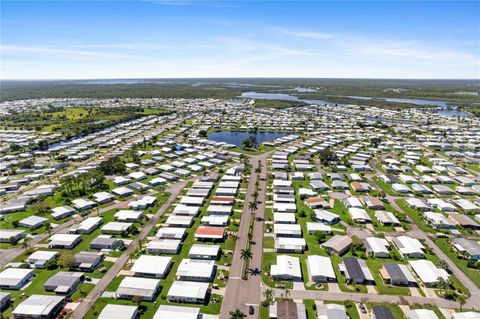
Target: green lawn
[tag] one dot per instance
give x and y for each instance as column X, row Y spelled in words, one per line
column 473, row 274
column 416, row 216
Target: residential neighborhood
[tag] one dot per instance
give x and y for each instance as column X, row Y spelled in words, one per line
column 347, row 213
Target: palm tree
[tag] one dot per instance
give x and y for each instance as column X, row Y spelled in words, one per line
column 255, row 195
column 48, row 227
column 252, row 206
column 287, row 293
column 237, row 314
column 461, row 299
column 268, row 293
column 26, row 244
column 132, row 257
column 246, row 254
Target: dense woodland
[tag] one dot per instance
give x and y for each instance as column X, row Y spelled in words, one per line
column 459, row 92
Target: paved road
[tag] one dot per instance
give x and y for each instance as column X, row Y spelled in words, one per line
column 362, row 297
column 242, row 293
column 82, row 309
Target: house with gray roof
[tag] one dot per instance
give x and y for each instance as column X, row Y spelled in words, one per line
column 64, row 282
column 87, row 260
column 397, row 274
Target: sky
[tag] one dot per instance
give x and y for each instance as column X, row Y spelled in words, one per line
column 192, row 39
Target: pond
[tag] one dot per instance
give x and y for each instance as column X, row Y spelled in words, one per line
column 237, row 137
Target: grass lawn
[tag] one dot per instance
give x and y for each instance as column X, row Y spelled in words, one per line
column 268, row 260
column 473, row 274
column 375, row 265
column 336, row 260
column 416, row 216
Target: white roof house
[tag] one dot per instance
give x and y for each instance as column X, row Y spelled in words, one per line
column 287, row 230
column 122, row 191
column 421, row 314
column 38, row 306
column 15, row 278
column 115, row 227
column 213, row 220
column 192, row 201
column 318, row 227
column 441, row 204
column 82, row 204
column 281, row 207
column 120, row 180
column 186, row 210
column 32, row 222
column 64, row 240
column 409, row 247
column 113, row 311
column 179, row 220
column 377, row 247
column 286, row 268
column 62, row 212
column 146, row 288
column 466, row 205
column 324, row 216
column 428, row 272
column 290, row 244
column 196, row 270
column 321, row 268
column 40, row 257
column 417, row 203
column 176, row 312
column 219, row 210
column 125, row 215
column 188, row 291
column 86, row 226
column 152, row 266
column 387, row 218
column 199, row 251
column 401, row 188
column 284, row 218
column 137, row 175
column 331, row 311
column 163, row 246
column 171, row 233
column 437, row 220
column 359, row 215
column 103, row 197
column 353, row 202
column 465, row 315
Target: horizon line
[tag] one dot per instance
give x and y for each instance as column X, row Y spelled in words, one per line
column 240, row 77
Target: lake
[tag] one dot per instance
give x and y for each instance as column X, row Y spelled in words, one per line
column 452, row 113
column 400, row 100
column 283, row 96
column 237, row 137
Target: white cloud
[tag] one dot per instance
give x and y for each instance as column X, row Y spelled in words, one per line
column 63, row 52
column 304, row 34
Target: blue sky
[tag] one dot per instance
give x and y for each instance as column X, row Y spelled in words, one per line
column 169, row 38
